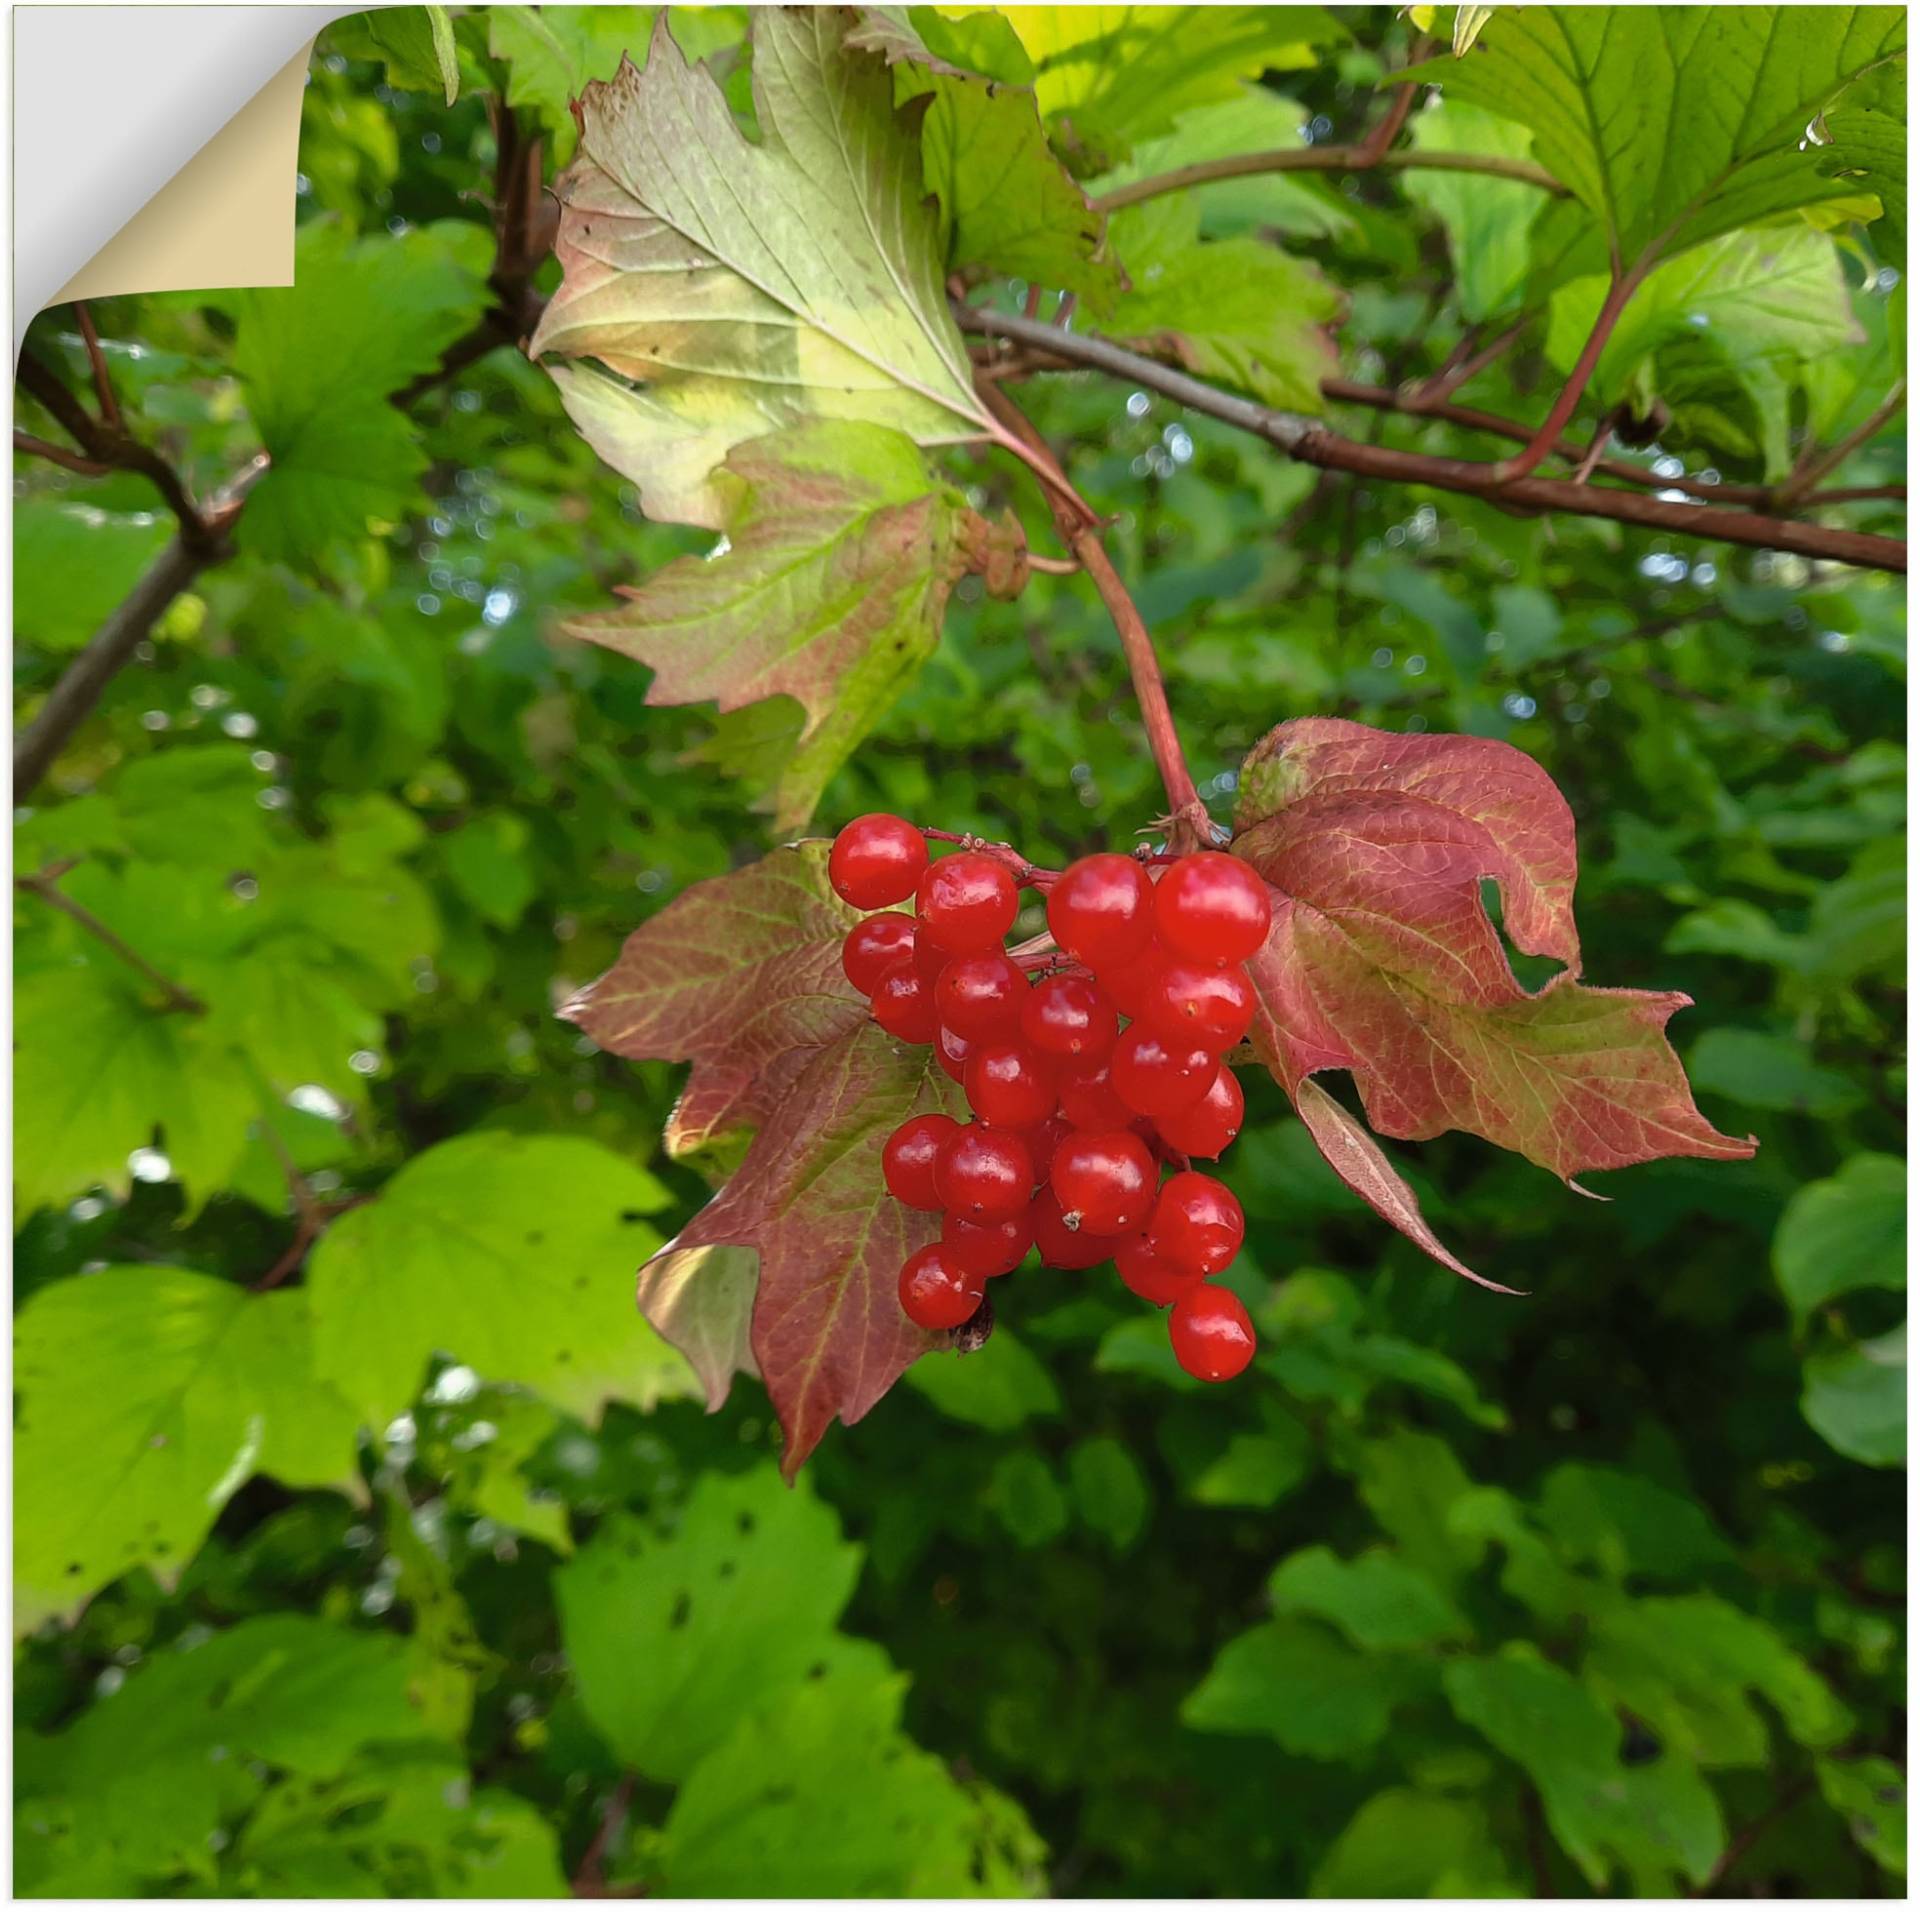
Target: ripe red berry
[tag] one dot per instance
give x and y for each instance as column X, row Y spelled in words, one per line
column 1009, row 1084
column 989, row 1248
column 1068, row 1016
column 876, row 860
column 1064, row 1247
column 1127, row 985
column 1212, row 1122
column 1101, row 910
column 969, row 901
column 1151, row 1278
column 1211, row 1333
column 1087, row 1097
column 911, row 1154
column 1043, row 1141
column 1105, row 1180
column 1154, row 1075
column 1196, row 1002
column 873, row 946
column 1213, row 908
column 936, row 1292
column 981, row 995
column 983, row 1172
column 951, row 1052
column 903, row 1005
column 1197, row 1223
column 930, row 955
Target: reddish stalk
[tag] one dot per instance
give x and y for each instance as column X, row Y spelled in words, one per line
column 1029, row 875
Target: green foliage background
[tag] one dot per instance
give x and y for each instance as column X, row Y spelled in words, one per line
column 1453, row 1594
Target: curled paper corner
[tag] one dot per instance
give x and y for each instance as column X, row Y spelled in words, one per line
column 186, row 180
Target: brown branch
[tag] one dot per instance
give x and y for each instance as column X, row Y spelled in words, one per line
column 1748, row 1836
column 1452, row 375
column 590, row 1876
column 1080, row 531
column 45, row 884
column 1323, row 159
column 31, row 447
column 1591, row 456
column 102, row 380
column 1309, row 441
column 1796, row 488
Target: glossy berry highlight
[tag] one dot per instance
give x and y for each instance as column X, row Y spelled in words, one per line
column 876, row 860
column 1212, row 1333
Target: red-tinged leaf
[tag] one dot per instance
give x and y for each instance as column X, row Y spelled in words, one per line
column 1383, row 961
column 741, row 977
column 827, row 1332
column 1360, row 1162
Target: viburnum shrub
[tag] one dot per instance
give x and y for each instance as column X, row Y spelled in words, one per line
column 1089, row 1189
column 902, row 1094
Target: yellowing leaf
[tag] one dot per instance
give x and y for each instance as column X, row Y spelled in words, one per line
column 728, row 289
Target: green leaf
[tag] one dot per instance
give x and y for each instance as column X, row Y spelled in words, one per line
column 822, row 1792
column 1107, row 76
column 1871, row 1796
column 132, row 1468
column 1487, row 221
column 675, row 1640
column 1625, row 1524
column 1844, row 1233
column 149, row 1771
column 812, row 288
column 1301, row 1686
column 414, row 43
column 1869, row 151
column 553, row 52
column 1856, row 1399
column 72, row 564
column 829, row 589
column 512, row 1253
column 320, row 360
column 1765, row 1071
column 998, row 1387
column 1654, row 1820
column 1671, row 125
column 1747, row 312
column 1109, row 1491
column 1024, row 1496
column 1405, row 1844
column 487, row 859
column 396, row 1826
column 1410, row 1480
column 1254, row 1470
column 1377, row 1600
column 1238, row 310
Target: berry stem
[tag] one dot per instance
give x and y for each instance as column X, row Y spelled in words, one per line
column 1030, row 875
column 1189, row 826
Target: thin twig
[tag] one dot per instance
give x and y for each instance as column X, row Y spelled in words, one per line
column 1803, row 481
column 590, row 1876
column 31, row 447
column 1748, row 1836
column 1323, row 159
column 45, row 884
column 1451, row 376
column 1309, row 441
column 102, row 379
column 1584, row 469
column 1052, row 567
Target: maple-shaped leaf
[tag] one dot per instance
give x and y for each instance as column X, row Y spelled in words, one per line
column 728, row 288
column 791, row 1270
column 739, row 976
column 1383, row 961
column 839, row 556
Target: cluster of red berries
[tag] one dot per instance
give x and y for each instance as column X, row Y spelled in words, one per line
column 1088, row 1069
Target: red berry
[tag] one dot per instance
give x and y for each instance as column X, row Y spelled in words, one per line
column 1069, row 1016
column 930, row 955
column 1009, row 1084
column 873, row 946
column 969, row 901
column 1211, row 1333
column 1197, row 1223
column 911, row 1154
column 1156, row 1076
column 989, row 1248
column 983, row 1173
column 1087, row 1097
column 1043, row 1141
column 903, row 1005
column 876, row 860
column 1101, row 910
column 1196, row 1002
column 1127, row 985
column 951, row 1052
column 1151, row 1278
column 1213, row 908
column 1212, row 1122
column 936, row 1292
column 1105, row 1180
column 981, row 995
column 1064, row 1247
